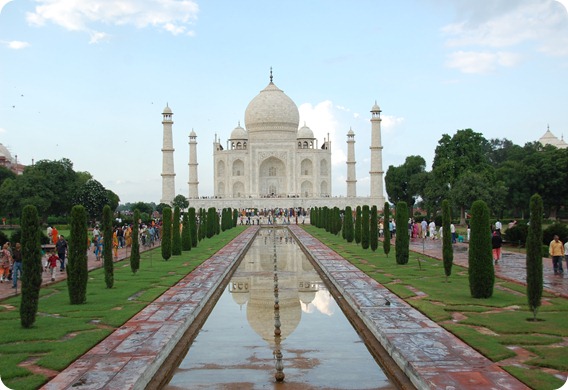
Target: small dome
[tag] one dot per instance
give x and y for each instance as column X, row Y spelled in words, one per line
column 239, row 133
column 167, row 110
column 5, row 153
column 192, row 134
column 272, row 111
column 350, row 132
column 305, row 132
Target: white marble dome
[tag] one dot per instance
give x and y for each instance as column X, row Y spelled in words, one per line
column 239, row 133
column 272, row 115
column 305, row 132
column 5, row 153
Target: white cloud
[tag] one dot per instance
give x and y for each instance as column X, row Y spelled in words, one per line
column 79, row 15
column 389, row 123
column 481, row 62
column 16, row 45
column 2, row 130
column 485, row 29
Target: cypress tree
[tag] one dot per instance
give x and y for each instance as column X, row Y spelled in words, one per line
column 235, row 217
column 358, row 225
column 374, row 229
column 386, row 230
column 77, row 267
column 31, row 264
column 365, row 227
column 193, row 226
column 447, row 248
column 186, row 233
column 107, row 247
column 167, row 233
column 217, row 223
column 348, row 224
column 336, row 220
column 176, row 233
column 402, row 241
column 480, row 258
column 211, row 217
column 202, row 224
column 135, row 252
column 534, row 255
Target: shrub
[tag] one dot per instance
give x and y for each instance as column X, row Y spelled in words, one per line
column 557, row 228
column 365, row 227
column 358, row 225
column 193, row 226
column 447, row 249
column 402, row 241
column 166, row 233
column 176, row 233
column 387, row 234
column 374, row 229
column 517, row 234
column 480, row 258
column 348, row 224
column 534, row 255
column 77, row 267
column 107, row 247
column 135, row 252
column 186, row 233
column 31, row 263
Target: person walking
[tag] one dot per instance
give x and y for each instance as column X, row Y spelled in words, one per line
column 5, row 262
column 61, row 251
column 17, row 264
column 496, row 244
column 566, row 253
column 52, row 264
column 556, row 251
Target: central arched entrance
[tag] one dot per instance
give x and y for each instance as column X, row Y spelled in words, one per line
column 273, row 178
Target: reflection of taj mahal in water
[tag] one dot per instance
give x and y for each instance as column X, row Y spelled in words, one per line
column 273, row 162
column 252, row 286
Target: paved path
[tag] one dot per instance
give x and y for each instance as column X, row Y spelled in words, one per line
column 511, row 267
column 6, row 289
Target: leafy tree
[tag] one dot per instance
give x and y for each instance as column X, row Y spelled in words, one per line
column 135, row 252
column 31, row 258
column 358, row 225
column 534, row 255
column 113, row 200
column 374, row 229
column 167, row 233
column 387, row 234
column 447, row 249
column 93, row 197
column 77, row 268
column 176, row 233
column 348, row 224
column 193, row 226
column 160, row 208
column 406, row 182
column 186, row 233
column 402, row 241
column 143, row 207
column 6, row 173
column 181, row 202
column 480, row 258
column 107, row 247
column 365, row 227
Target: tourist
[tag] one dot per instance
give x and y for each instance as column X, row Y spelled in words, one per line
column 424, row 226
column 115, row 244
column 52, row 264
column 566, row 253
column 556, row 250
column 468, row 231
column 54, row 235
column 453, row 231
column 5, row 262
column 61, row 251
column 496, row 243
column 498, row 225
column 17, row 264
column 432, row 229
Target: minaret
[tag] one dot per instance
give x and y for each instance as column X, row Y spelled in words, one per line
column 193, row 182
column 376, row 172
column 351, row 180
column 168, row 174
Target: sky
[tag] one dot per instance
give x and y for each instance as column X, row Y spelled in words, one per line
column 88, row 80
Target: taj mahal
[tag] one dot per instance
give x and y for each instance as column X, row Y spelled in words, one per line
column 273, row 162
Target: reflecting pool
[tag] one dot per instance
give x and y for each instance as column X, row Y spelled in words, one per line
column 275, row 321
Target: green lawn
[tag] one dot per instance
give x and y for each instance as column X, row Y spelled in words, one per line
column 490, row 326
column 63, row 332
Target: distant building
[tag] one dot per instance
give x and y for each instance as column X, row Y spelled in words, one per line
column 7, row 161
column 550, row 139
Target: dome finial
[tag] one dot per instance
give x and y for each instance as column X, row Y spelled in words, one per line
column 271, row 74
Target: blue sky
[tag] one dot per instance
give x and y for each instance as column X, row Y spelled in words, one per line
column 88, row 80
